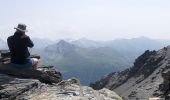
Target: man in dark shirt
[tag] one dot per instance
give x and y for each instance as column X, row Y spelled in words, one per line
column 18, row 45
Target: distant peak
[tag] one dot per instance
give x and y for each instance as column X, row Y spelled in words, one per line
column 142, row 38
column 83, row 39
column 63, row 42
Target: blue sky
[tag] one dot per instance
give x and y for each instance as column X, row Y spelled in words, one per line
column 92, row 19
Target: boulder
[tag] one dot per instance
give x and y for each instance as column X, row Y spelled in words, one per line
column 49, row 76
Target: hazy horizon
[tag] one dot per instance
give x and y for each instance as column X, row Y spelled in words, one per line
column 102, row 20
column 71, row 39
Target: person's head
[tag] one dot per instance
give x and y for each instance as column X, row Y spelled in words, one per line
column 21, row 28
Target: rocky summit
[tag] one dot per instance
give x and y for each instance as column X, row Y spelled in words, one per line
column 149, row 77
column 45, row 83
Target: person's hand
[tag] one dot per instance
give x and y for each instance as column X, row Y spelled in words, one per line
column 24, row 36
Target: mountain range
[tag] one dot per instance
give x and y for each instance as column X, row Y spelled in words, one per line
column 41, row 43
column 84, row 62
column 134, row 46
column 88, row 60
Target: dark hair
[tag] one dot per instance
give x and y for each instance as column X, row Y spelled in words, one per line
column 18, row 33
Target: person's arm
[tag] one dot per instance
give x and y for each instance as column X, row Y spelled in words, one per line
column 10, row 44
column 29, row 42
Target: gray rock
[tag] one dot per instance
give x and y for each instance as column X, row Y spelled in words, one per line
column 31, row 89
column 43, row 76
column 148, row 77
column 70, row 92
column 12, row 87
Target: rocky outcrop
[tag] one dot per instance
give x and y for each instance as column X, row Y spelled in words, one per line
column 30, row 89
column 164, row 88
column 45, row 74
column 45, row 83
column 149, row 77
column 48, row 76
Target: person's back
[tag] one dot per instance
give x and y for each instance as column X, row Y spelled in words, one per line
column 18, row 45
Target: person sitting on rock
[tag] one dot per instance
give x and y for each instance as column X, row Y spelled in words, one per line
column 18, row 45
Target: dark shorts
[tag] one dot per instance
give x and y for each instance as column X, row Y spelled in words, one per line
column 29, row 63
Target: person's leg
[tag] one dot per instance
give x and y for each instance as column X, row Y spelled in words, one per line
column 35, row 63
